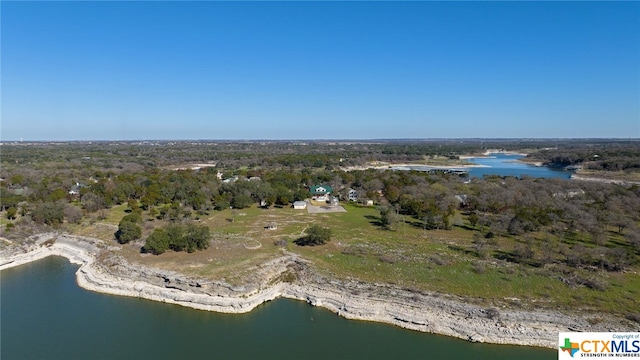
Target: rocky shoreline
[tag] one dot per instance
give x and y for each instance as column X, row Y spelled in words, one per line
column 407, row 166
column 603, row 180
column 290, row 276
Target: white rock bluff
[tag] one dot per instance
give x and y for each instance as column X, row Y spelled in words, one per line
column 290, row 276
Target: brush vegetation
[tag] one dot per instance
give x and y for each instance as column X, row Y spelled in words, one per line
column 518, row 242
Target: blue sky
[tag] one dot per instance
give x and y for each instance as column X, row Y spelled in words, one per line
column 319, row 70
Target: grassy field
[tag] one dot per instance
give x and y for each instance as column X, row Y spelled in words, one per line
column 408, row 256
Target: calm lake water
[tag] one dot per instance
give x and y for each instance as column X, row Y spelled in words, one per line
column 45, row 315
column 506, row 165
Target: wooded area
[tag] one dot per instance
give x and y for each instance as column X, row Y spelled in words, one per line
column 578, row 224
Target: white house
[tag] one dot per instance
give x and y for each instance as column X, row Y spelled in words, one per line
column 75, row 189
column 231, row 180
column 301, row 205
column 321, row 192
column 352, row 195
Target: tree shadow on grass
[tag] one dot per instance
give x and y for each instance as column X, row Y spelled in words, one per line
column 416, row 224
column 374, row 220
column 614, row 243
column 467, row 227
column 513, row 258
column 505, row 255
column 305, row 241
column 462, row 250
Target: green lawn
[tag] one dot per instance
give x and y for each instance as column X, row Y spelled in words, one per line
column 444, row 261
column 115, row 214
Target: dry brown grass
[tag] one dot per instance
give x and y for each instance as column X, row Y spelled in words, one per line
column 227, row 258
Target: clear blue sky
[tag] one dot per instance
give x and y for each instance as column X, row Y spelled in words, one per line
column 309, row 70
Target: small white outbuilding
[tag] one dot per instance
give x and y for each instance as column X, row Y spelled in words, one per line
column 300, row 205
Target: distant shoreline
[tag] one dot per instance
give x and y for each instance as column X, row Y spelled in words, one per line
column 392, row 166
column 379, row 165
column 486, row 153
column 427, row 312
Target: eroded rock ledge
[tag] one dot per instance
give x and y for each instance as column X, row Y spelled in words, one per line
column 290, row 276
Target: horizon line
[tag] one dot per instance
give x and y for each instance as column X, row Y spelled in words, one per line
column 325, row 139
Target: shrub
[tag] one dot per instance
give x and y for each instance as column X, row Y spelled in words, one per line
column 11, row 213
column 281, row 243
column 316, row 235
column 596, row 284
column 157, row 242
column 48, row 213
column 102, row 215
column 241, row 201
column 177, row 238
column 128, row 231
column 493, row 313
column 197, row 237
column 387, row 258
column 72, row 213
column 479, row 268
column 634, row 317
column 133, row 217
column 438, row 260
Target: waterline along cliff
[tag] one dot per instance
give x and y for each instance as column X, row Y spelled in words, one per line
column 290, row 276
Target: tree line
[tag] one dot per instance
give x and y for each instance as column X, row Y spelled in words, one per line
column 591, row 224
column 602, row 156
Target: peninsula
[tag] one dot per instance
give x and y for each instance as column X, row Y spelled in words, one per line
column 497, row 259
